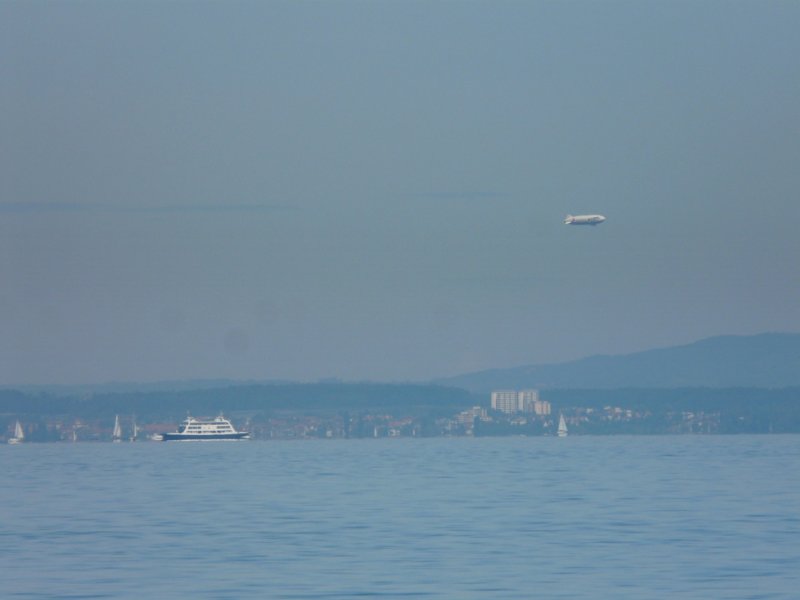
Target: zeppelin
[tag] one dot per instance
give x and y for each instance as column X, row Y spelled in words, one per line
column 584, row 220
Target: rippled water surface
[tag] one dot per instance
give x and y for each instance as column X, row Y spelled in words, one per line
column 580, row 517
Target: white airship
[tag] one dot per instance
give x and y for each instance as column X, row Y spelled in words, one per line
column 584, row 220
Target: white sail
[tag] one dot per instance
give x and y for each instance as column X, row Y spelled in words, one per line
column 117, row 436
column 19, row 434
column 135, row 433
column 562, row 426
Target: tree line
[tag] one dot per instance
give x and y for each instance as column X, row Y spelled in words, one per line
column 739, row 409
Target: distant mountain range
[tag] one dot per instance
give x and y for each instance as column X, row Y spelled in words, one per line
column 129, row 387
column 769, row 360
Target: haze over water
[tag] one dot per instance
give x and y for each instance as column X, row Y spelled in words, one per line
column 593, row 517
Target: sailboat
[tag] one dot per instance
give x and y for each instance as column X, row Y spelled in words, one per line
column 117, row 435
column 562, row 426
column 19, row 435
column 135, row 433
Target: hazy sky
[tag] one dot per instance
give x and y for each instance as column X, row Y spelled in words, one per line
column 375, row 190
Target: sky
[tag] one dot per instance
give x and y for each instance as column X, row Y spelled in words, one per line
column 376, row 190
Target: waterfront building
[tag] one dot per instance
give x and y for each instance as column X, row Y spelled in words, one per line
column 512, row 401
column 527, row 399
column 506, row 401
column 542, row 408
column 467, row 417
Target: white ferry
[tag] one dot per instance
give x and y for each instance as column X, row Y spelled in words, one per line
column 200, row 429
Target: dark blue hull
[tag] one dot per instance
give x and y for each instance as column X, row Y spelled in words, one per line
column 180, row 437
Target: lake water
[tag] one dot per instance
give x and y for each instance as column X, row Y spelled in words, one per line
column 579, row 517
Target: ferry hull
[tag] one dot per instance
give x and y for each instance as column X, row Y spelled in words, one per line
column 199, row 437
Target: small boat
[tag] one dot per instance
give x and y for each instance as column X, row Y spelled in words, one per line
column 19, row 434
column 134, row 431
column 562, row 426
column 193, row 429
column 117, row 435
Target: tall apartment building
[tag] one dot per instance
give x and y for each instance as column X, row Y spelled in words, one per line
column 511, row 401
column 527, row 399
column 505, row 401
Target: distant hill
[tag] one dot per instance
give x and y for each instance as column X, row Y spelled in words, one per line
column 130, row 387
column 769, row 360
column 312, row 397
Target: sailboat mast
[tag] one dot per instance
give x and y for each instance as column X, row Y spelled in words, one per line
column 562, row 426
column 19, row 434
column 117, row 435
